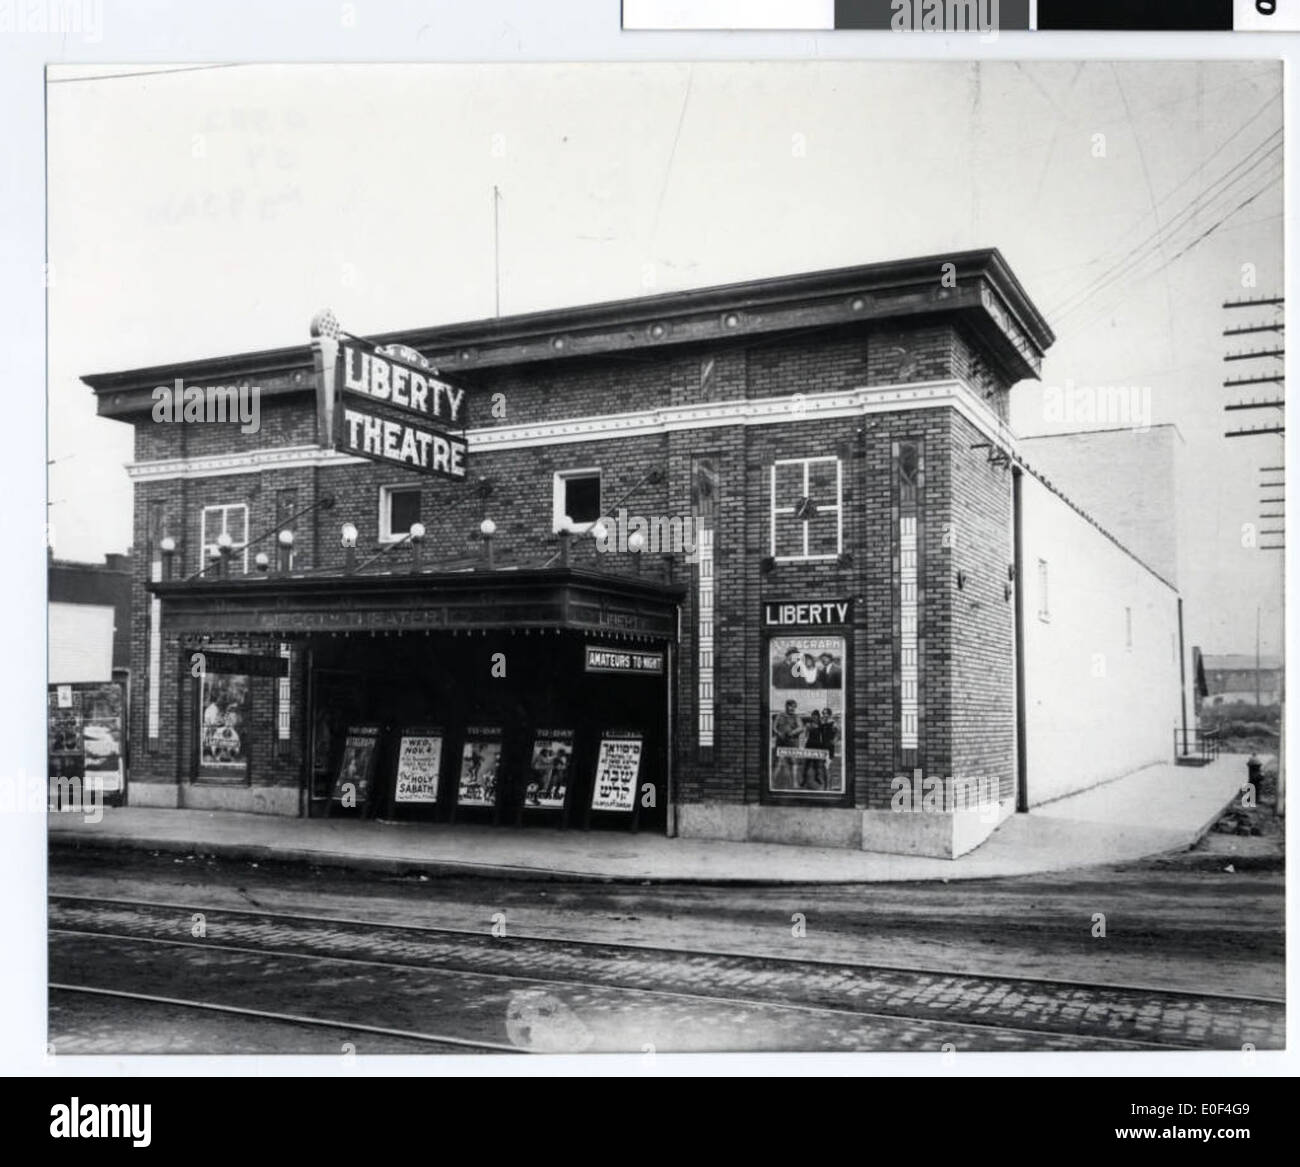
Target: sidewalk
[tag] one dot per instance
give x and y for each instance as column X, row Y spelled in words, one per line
column 1156, row 810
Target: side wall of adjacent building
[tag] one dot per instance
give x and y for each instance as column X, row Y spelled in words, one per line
column 1102, row 686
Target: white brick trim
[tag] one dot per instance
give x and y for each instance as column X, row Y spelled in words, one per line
column 950, row 394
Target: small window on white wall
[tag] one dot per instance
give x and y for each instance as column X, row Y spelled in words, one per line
column 229, row 519
column 805, row 514
column 1128, row 628
column 576, row 496
column 1044, row 612
column 399, row 508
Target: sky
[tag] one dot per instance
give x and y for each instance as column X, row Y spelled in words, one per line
column 212, row 210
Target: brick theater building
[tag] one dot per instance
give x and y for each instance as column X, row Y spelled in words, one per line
column 755, row 562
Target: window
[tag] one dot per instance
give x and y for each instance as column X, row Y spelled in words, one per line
column 1044, row 613
column 231, row 519
column 576, row 496
column 806, row 521
column 399, row 508
column 1128, row 628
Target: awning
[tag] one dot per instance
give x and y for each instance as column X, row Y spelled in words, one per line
column 483, row 600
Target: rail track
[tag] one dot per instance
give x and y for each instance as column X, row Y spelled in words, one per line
column 458, row 990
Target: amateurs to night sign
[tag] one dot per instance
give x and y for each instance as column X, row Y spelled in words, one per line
column 391, row 410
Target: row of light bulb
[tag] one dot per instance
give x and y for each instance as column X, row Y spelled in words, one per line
column 348, row 535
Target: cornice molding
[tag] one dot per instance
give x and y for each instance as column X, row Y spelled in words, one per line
column 977, row 287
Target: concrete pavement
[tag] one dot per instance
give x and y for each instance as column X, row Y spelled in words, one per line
column 1159, row 809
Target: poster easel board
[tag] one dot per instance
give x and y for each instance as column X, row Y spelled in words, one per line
column 548, row 777
column 355, row 777
column 615, row 784
column 478, row 772
column 417, row 771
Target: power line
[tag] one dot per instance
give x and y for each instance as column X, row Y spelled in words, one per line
column 1231, row 137
column 1149, row 246
column 1263, row 189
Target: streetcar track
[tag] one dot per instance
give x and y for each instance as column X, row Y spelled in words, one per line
column 653, row 949
column 290, row 1018
column 747, row 1003
column 1130, row 1004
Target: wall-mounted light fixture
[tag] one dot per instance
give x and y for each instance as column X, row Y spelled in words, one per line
column 167, row 545
column 348, row 541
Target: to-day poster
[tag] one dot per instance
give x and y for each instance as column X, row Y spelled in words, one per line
column 548, row 774
column 806, row 714
column 617, row 766
column 419, row 761
column 224, row 710
column 480, row 767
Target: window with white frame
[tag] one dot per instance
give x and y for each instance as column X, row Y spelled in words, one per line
column 399, row 508
column 1044, row 612
column 575, row 496
column 806, row 520
column 230, row 519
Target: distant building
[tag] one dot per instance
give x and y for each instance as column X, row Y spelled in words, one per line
column 1125, row 478
column 90, row 620
column 89, row 678
column 1231, row 679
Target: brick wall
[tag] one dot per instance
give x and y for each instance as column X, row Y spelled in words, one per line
column 962, row 648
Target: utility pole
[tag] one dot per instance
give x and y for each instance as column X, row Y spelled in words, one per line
column 1268, row 375
column 1263, row 375
column 1257, row 658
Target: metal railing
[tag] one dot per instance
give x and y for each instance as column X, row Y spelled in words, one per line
column 1196, row 747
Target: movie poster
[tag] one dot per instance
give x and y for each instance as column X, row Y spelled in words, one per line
column 617, row 767
column 357, row 765
column 806, row 714
column 101, row 735
column 85, row 734
column 548, row 773
column 480, row 767
column 223, row 726
column 419, row 760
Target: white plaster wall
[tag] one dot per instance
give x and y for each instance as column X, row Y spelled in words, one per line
column 81, row 643
column 1095, row 709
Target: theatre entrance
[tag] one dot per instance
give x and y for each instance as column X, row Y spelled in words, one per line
column 535, row 728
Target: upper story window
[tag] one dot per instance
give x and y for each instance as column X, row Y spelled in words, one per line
column 576, row 496
column 230, row 519
column 1044, row 612
column 399, row 508
column 806, row 509
column 1128, row 628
